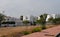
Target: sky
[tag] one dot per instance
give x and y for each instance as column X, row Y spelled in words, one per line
column 16, row 8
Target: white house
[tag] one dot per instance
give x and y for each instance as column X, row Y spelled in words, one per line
column 26, row 18
column 50, row 15
column 12, row 19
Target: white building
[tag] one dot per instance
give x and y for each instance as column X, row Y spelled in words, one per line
column 8, row 18
column 52, row 15
column 12, row 19
column 49, row 16
column 26, row 18
column 38, row 17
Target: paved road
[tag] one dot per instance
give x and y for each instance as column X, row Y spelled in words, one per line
column 51, row 32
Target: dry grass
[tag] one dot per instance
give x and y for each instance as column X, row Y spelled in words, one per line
column 14, row 30
column 10, row 31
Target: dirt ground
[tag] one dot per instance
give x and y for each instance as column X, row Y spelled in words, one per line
column 14, row 30
column 51, row 32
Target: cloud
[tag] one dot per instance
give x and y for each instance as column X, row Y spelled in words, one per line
column 29, row 7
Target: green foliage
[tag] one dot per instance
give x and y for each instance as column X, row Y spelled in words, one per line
column 36, row 29
column 2, row 17
column 38, row 21
column 43, row 27
column 43, row 19
column 56, row 21
column 25, row 21
column 50, row 19
column 44, row 16
column 26, row 32
column 21, row 18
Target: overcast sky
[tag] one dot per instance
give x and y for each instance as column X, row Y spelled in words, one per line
column 16, row 8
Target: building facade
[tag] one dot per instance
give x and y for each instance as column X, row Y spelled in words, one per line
column 50, row 15
column 11, row 21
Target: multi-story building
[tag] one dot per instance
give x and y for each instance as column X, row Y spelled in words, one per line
column 12, row 21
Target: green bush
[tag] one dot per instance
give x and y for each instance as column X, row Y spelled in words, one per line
column 43, row 27
column 36, row 29
column 26, row 32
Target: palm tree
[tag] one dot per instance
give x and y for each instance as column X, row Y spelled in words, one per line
column 2, row 18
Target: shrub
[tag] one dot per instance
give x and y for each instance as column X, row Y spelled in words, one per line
column 25, row 32
column 56, row 21
column 43, row 27
column 36, row 29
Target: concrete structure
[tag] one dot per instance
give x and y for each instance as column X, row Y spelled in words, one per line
column 17, row 21
column 32, row 19
column 50, row 15
column 26, row 18
column 8, row 18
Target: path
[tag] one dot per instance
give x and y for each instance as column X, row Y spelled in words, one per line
column 51, row 32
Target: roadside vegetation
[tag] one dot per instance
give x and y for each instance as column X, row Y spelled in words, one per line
column 25, row 30
column 19, row 31
column 2, row 18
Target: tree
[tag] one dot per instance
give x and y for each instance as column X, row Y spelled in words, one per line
column 26, row 23
column 2, row 18
column 42, row 20
column 56, row 21
column 21, row 18
column 50, row 19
